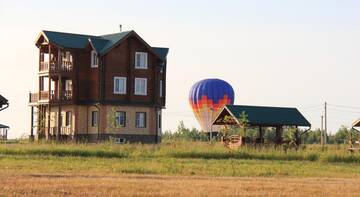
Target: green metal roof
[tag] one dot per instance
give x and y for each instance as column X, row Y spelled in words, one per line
column 161, row 52
column 270, row 116
column 4, row 126
column 102, row 44
column 3, row 101
column 68, row 40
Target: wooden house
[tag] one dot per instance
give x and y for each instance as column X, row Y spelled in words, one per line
column 98, row 88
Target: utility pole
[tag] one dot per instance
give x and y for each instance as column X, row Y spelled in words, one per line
column 322, row 130
column 325, row 133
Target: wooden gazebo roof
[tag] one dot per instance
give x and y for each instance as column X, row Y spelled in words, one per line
column 262, row 116
column 4, row 126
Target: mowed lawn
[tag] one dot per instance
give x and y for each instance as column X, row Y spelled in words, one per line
column 175, row 169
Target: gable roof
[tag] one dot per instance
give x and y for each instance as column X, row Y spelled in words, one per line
column 356, row 123
column 67, row 40
column 4, row 126
column 161, row 52
column 268, row 116
column 102, row 44
column 3, row 101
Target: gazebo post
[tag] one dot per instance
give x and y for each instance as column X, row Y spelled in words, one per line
column 297, row 136
column 260, row 134
column 278, row 134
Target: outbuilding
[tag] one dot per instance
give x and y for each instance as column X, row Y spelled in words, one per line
column 262, row 117
column 3, row 132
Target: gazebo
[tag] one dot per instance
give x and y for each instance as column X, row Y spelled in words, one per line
column 3, row 132
column 261, row 117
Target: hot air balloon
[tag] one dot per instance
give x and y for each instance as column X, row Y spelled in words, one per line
column 207, row 97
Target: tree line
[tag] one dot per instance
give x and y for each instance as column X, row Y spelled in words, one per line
column 341, row 136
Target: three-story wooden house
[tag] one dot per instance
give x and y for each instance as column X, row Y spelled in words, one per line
column 98, row 87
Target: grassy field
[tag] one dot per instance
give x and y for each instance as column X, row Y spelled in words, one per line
column 134, row 169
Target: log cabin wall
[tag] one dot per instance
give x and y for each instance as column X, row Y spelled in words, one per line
column 120, row 62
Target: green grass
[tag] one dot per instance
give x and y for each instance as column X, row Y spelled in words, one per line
column 178, row 158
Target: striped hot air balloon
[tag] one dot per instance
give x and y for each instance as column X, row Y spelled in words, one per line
column 207, row 97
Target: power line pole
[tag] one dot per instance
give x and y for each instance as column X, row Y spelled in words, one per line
column 322, row 130
column 325, row 133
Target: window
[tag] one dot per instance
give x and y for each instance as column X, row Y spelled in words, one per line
column 120, row 140
column 68, row 85
column 140, row 86
column 161, row 88
column 120, row 119
column 140, row 120
column 119, row 85
column 94, row 118
column 65, row 56
column 68, row 118
column 141, row 60
column 159, row 120
column 94, row 59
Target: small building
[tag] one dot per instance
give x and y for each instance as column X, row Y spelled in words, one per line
column 3, row 132
column 262, row 117
column 356, row 124
column 4, row 103
column 98, row 87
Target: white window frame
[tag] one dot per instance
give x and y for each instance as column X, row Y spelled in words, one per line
column 124, row 88
column 94, row 118
column 117, row 119
column 68, row 118
column 159, row 122
column 137, row 91
column 94, row 59
column 161, row 88
column 138, row 123
column 143, row 61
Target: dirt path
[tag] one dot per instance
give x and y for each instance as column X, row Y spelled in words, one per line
column 149, row 185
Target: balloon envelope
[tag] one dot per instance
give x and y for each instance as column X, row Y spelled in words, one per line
column 207, row 97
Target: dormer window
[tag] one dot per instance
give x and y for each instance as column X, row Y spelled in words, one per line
column 94, row 59
column 141, row 60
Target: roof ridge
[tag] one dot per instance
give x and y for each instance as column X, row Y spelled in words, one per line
column 76, row 34
column 262, row 106
column 116, row 33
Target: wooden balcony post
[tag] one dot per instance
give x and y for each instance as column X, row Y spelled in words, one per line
column 59, row 60
column 49, row 93
column 59, row 111
column 32, row 124
column 49, row 57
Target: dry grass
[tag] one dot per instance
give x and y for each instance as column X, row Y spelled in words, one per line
column 156, row 185
column 175, row 169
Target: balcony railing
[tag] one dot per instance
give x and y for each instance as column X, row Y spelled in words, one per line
column 33, row 97
column 65, row 66
column 44, row 96
column 64, row 130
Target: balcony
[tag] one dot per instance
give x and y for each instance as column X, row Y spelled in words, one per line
column 44, row 96
column 53, row 67
column 64, row 130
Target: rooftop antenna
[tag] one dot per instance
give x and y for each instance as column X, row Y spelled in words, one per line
column 120, row 28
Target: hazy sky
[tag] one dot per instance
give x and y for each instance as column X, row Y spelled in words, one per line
column 278, row 53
